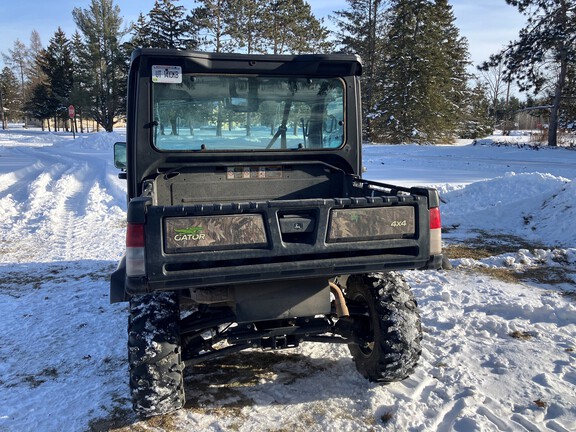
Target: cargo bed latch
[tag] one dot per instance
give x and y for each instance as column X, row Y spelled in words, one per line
column 295, row 223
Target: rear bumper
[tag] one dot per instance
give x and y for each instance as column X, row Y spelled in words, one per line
column 122, row 287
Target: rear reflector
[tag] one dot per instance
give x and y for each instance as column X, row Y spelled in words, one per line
column 435, row 231
column 135, row 257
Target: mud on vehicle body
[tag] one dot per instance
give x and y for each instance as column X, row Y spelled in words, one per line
column 249, row 224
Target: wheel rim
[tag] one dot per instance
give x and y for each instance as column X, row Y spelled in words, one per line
column 366, row 333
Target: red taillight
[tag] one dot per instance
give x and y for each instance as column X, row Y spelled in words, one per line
column 435, row 231
column 135, row 235
column 435, row 221
column 135, row 255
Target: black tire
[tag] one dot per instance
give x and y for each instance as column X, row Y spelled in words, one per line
column 154, row 354
column 390, row 328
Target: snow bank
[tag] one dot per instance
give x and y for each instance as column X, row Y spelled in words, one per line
column 19, row 137
column 556, row 216
column 531, row 205
column 100, row 141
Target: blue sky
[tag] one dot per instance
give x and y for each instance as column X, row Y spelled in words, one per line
column 487, row 24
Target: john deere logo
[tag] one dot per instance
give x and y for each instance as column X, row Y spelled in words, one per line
column 192, row 233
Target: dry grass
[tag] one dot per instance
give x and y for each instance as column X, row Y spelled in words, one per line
column 387, row 417
column 522, row 335
column 539, row 275
column 487, row 245
column 540, row 403
column 456, row 251
column 503, row 274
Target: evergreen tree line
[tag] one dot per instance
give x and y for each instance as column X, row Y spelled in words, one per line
column 416, row 81
column 417, row 87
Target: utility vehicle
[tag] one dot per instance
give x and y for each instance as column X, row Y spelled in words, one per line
column 249, row 224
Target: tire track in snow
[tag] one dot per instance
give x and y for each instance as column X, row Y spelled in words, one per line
column 12, row 182
column 38, row 200
column 61, row 225
column 37, row 162
column 487, row 411
column 448, row 415
column 553, row 425
column 79, row 219
column 523, row 422
column 52, row 219
column 27, row 201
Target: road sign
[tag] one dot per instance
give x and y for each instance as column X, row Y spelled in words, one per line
column 71, row 111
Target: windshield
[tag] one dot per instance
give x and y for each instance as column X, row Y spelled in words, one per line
column 223, row 112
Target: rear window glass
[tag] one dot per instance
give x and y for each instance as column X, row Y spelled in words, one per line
column 223, row 112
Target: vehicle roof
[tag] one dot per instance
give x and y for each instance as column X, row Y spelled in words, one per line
column 325, row 64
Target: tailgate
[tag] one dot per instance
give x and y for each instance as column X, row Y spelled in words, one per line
column 224, row 243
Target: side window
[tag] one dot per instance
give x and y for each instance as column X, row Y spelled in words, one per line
column 334, row 122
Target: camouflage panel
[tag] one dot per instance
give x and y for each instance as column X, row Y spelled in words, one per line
column 371, row 224
column 214, row 232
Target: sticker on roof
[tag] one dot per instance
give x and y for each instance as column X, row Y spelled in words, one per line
column 167, row 74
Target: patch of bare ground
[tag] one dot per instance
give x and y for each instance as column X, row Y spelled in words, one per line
column 15, row 282
column 119, row 418
column 487, row 245
column 218, row 385
column 217, row 389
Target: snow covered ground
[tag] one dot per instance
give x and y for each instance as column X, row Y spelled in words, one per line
column 500, row 332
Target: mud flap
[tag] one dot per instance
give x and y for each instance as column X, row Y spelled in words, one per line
column 117, row 279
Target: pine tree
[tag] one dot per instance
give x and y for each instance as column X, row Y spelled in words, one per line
column 3, row 120
column 33, row 71
column 549, row 39
column 307, row 34
column 18, row 59
column 362, row 30
column 403, row 68
column 168, row 27
column 246, row 26
column 475, row 121
column 79, row 96
column 39, row 105
column 10, row 103
column 141, row 34
column 105, row 60
column 568, row 119
column 34, row 79
column 450, row 74
column 423, row 77
column 214, row 18
column 277, row 27
column 56, row 63
column 290, row 27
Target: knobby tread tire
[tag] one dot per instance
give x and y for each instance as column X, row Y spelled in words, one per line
column 395, row 329
column 154, row 354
